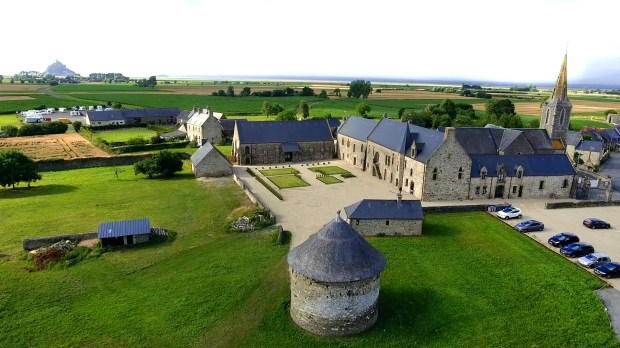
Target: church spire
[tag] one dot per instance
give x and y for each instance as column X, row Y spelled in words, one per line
column 561, row 85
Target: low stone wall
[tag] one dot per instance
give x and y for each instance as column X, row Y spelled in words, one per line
column 581, row 204
column 251, row 196
column 35, row 243
column 92, row 162
column 455, row 208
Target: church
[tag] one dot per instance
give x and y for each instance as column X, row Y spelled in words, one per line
column 467, row 163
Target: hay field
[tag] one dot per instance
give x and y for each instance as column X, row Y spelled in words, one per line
column 15, row 97
column 19, row 87
column 41, row 147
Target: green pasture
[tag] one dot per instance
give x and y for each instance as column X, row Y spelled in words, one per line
column 124, row 134
column 38, row 99
column 330, row 170
column 287, row 181
column 329, row 180
column 278, row 171
column 10, row 120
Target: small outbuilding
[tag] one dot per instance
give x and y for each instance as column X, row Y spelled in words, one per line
column 127, row 232
column 335, row 281
column 208, row 161
column 391, row 217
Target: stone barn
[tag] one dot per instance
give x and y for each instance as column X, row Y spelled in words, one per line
column 390, row 217
column 127, row 232
column 335, row 281
column 209, row 161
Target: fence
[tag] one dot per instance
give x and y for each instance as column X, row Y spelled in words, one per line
column 35, row 243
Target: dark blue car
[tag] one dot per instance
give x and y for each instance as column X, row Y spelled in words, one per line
column 562, row 239
column 577, row 250
column 530, row 225
column 608, row 270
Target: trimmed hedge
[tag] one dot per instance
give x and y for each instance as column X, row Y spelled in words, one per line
column 268, row 187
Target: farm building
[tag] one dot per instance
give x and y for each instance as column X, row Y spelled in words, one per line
column 590, row 152
column 371, row 217
column 130, row 116
column 126, row 232
column 104, row 118
column 335, row 281
column 282, row 141
column 204, row 125
column 209, row 161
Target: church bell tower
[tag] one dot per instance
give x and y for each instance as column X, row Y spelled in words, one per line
column 555, row 114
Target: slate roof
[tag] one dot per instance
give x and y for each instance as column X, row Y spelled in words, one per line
column 115, row 115
column 333, row 122
column 573, row 138
column 150, row 112
column 490, row 139
column 229, row 124
column 587, row 145
column 336, row 254
column 538, row 138
column 594, row 134
column 391, row 134
column 613, row 134
column 426, row 141
column 183, row 116
column 203, row 151
column 124, row 228
column 290, row 147
column 357, row 127
column 266, row 132
column 533, row 165
column 382, row 209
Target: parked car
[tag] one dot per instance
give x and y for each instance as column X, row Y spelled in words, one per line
column 608, row 270
column 594, row 260
column 530, row 225
column 595, row 223
column 562, row 239
column 509, row 213
column 577, row 249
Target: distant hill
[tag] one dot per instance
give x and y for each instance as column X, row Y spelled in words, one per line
column 59, row 69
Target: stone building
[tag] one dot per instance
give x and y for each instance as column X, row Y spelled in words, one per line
column 204, row 125
column 282, row 141
column 208, row 161
column 131, row 116
column 371, row 217
column 126, row 232
column 555, row 115
column 335, row 281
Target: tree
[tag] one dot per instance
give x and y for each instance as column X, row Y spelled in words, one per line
column 9, row 131
column 16, row 167
column 337, row 92
column 362, row 109
column 118, row 106
column 1, row 78
column 495, row 108
column 359, row 88
column 245, row 92
column 287, row 115
column 266, row 108
column 448, row 107
column 77, row 125
column 221, row 93
column 230, row 92
column 306, row 92
column 304, row 109
column 164, row 163
column 323, row 94
column 271, row 109
column 610, row 111
column 401, row 112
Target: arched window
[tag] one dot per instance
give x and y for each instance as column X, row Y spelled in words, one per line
column 247, row 150
column 461, row 173
column 435, row 174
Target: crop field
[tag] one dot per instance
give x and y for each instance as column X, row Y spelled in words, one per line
column 31, row 101
column 124, row 134
column 53, row 146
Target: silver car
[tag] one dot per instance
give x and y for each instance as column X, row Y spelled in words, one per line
column 594, row 260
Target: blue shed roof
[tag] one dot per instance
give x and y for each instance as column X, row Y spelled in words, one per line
column 357, row 127
column 381, row 209
column 590, row 145
column 533, row 165
column 613, row 134
column 283, row 131
column 124, row 228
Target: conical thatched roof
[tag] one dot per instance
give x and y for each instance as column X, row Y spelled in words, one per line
column 336, row 254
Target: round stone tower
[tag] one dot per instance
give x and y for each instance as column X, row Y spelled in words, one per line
column 335, row 281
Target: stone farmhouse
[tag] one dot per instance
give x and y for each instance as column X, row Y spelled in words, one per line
column 130, row 116
column 466, row 163
column 204, row 125
column 589, row 151
column 208, row 161
column 282, row 141
column 398, row 217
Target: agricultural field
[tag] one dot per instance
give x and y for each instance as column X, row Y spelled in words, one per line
column 124, row 134
column 53, row 146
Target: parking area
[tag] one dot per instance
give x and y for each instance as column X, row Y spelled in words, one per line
column 571, row 220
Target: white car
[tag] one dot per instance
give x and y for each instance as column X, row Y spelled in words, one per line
column 594, row 260
column 509, row 213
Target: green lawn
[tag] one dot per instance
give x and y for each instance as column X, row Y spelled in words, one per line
column 10, row 120
column 182, row 293
column 330, row 170
column 470, row 281
column 287, row 181
column 278, row 171
column 124, row 134
column 329, row 180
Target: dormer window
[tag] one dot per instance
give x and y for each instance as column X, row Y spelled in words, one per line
column 413, row 152
column 519, row 172
column 483, row 173
column 501, row 175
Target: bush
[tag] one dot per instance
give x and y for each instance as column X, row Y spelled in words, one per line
column 77, row 125
column 42, row 129
column 164, row 163
column 9, row 131
column 136, row 141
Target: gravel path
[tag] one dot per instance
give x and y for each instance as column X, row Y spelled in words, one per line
column 611, row 300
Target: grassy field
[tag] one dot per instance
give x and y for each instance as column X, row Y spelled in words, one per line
column 470, row 281
column 278, row 171
column 330, row 170
column 12, row 120
column 124, row 134
column 329, row 180
column 287, row 181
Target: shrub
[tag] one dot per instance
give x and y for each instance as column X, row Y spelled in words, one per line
column 9, row 131
column 77, row 125
column 164, row 163
column 136, row 141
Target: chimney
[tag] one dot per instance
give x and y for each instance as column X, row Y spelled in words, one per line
column 196, row 109
column 399, row 196
column 448, row 133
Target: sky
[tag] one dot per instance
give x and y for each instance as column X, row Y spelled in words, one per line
column 474, row 40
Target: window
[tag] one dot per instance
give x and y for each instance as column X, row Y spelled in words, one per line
column 406, row 182
column 342, row 142
column 353, row 147
column 362, row 148
column 565, row 183
column 411, row 172
column 413, row 152
column 461, row 173
column 514, row 189
column 477, row 190
column 519, row 172
column 541, row 184
column 348, row 143
column 357, row 221
column 484, row 189
column 502, row 174
column 483, row 174
column 387, row 222
column 562, row 116
column 396, row 182
column 247, row 150
column 435, row 174
column 547, row 117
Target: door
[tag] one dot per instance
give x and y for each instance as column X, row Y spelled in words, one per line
column 499, row 191
column 520, row 191
column 288, row 156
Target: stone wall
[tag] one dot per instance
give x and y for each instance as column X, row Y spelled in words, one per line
column 212, row 130
column 384, row 163
column 214, row 164
column 92, row 162
column 529, row 186
column 35, row 243
column 391, row 228
column 351, row 150
column 581, row 204
column 413, row 177
column 272, row 153
column 334, row 309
